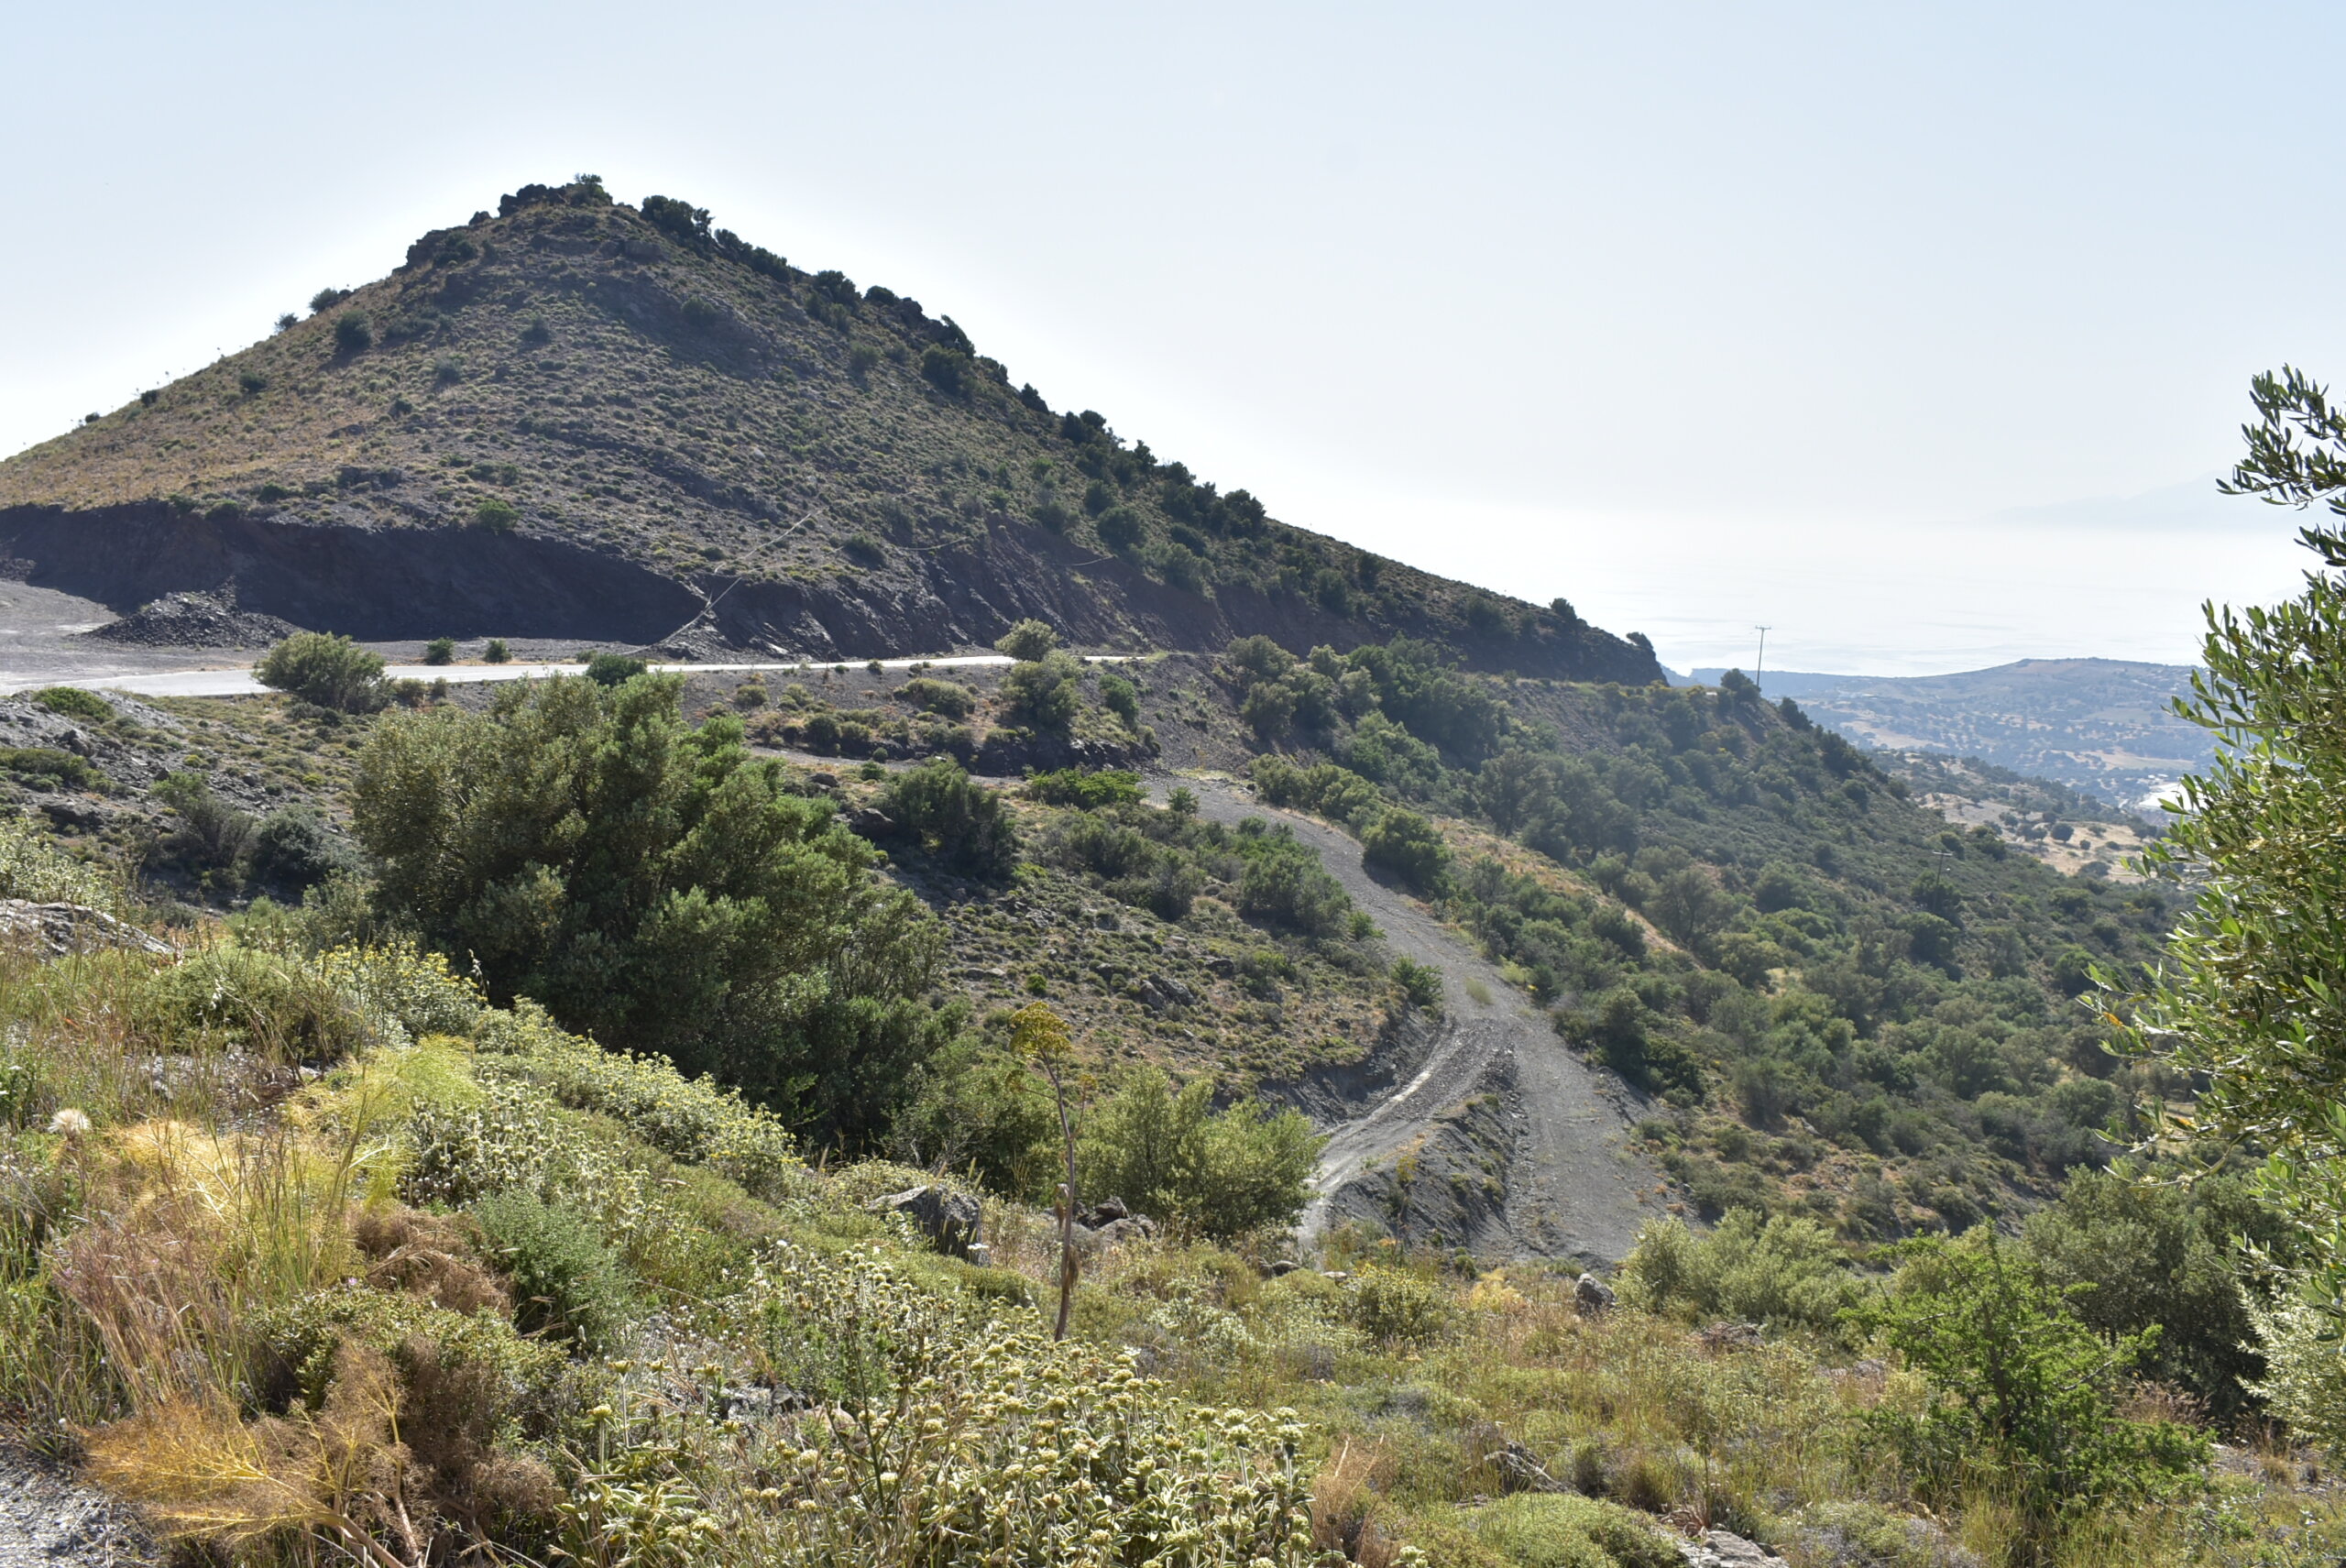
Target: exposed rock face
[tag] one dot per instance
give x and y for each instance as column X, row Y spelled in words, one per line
column 57, row 929
column 953, row 1221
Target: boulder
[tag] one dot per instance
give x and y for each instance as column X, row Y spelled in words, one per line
column 1515, row 1467
column 953, row 1221
column 56, row 929
column 1161, row 993
column 1593, row 1295
column 1724, row 1549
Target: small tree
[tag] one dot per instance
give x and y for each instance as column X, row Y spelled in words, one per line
column 496, row 653
column 2255, row 1004
column 353, row 332
column 1028, row 640
column 956, row 818
column 2023, row 1394
column 326, row 669
column 1407, row 845
column 440, row 650
column 1045, row 694
column 1038, row 1036
column 1167, row 1151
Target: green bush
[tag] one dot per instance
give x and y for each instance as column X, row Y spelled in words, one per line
column 495, row 652
column 1044, row 694
column 658, row 886
column 62, row 770
column 1121, row 697
column 33, row 867
column 1088, row 791
column 567, row 1282
column 1407, row 845
column 440, row 650
column 1283, row 883
column 1782, row 1272
column 211, row 835
column 1028, row 641
column 943, row 368
column 1420, row 984
column 2022, row 1395
column 75, row 703
column 497, row 514
column 1120, row 530
column 980, row 1109
column 1397, row 1306
column 325, row 669
column 609, row 669
column 353, row 332
column 293, row 848
column 1553, row 1530
column 1168, row 1154
column 955, row 818
column 949, row 698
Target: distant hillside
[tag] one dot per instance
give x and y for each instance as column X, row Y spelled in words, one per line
column 578, row 418
column 2102, row 726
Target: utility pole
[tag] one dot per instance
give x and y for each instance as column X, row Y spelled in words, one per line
column 1760, row 668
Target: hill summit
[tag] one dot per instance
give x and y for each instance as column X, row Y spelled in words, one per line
column 576, row 418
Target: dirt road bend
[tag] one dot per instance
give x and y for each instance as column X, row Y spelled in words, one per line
column 1575, row 1185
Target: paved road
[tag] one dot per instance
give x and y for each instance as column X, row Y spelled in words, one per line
column 1577, row 1185
column 237, row 680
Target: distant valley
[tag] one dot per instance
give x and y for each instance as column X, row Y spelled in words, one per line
column 2100, row 725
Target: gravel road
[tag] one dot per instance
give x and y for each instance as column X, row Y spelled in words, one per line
column 1576, row 1184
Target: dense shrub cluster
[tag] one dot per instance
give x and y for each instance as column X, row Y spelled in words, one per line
column 655, row 884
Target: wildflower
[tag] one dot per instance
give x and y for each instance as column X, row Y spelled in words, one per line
column 69, row 1122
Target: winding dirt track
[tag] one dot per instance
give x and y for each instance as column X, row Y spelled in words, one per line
column 1577, row 1186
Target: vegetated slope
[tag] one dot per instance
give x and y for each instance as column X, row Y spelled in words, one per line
column 2065, row 829
column 1838, row 1003
column 578, row 418
column 2103, row 726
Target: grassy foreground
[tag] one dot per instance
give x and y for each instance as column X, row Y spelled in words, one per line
column 321, row 1259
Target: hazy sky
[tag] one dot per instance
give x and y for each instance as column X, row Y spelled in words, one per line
column 1699, row 316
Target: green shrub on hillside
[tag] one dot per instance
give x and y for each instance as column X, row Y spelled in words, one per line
column 1167, row 1153
column 567, row 1283
column 354, row 332
column 32, row 866
column 1534, row 1531
column 1407, row 845
column 440, row 650
column 955, row 818
column 1121, row 697
column 1085, row 790
column 1028, row 641
column 1284, row 883
column 656, row 885
column 949, row 698
column 2023, row 1396
column 326, row 669
column 47, row 767
column 75, row 703
column 1044, row 694
column 609, row 669
column 1782, row 1272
